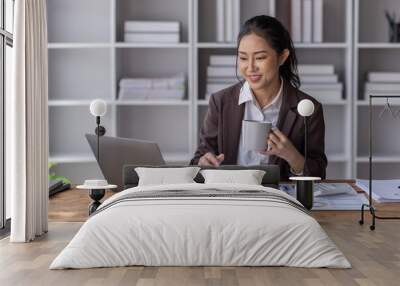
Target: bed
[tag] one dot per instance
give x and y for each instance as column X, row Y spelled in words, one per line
column 196, row 224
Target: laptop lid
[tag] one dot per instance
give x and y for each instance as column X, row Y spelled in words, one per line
column 115, row 152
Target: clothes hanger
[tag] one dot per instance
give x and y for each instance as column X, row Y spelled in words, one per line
column 389, row 109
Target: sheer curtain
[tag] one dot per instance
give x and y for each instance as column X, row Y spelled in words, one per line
column 27, row 122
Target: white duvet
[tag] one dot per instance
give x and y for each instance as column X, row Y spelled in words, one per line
column 200, row 231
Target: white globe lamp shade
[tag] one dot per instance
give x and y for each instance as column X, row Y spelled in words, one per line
column 98, row 107
column 305, row 107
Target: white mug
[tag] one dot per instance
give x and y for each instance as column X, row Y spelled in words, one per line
column 254, row 134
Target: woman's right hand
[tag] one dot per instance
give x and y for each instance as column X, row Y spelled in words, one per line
column 209, row 159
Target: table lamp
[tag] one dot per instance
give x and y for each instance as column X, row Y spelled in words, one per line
column 98, row 108
column 305, row 185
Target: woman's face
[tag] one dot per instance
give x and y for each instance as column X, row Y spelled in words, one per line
column 258, row 61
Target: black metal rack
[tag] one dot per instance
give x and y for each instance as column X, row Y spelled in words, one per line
column 370, row 205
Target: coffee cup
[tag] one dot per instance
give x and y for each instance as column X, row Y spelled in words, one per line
column 254, row 134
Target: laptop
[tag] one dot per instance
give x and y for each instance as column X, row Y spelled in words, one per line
column 115, row 152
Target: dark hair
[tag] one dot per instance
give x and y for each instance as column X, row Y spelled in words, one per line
column 278, row 38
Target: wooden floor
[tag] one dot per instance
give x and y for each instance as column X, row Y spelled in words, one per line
column 375, row 256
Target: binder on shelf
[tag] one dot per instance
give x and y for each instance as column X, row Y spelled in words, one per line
column 307, row 21
column 296, row 22
column 318, row 20
column 152, row 26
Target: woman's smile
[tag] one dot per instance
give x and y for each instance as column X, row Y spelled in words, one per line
column 254, row 77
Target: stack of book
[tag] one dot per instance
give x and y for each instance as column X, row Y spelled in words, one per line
column 56, row 186
column 221, row 73
column 382, row 83
column 321, row 82
column 228, row 20
column 151, row 31
column 169, row 88
column 307, row 20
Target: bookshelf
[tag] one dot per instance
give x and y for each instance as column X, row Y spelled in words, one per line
column 374, row 52
column 87, row 57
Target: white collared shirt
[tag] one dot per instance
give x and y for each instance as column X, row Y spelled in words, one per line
column 253, row 111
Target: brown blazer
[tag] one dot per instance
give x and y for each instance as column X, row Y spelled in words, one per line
column 222, row 126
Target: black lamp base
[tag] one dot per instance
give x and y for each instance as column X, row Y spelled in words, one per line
column 305, row 193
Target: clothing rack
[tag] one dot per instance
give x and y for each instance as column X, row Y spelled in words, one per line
column 370, row 205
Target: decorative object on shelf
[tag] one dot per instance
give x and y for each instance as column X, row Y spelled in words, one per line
column 97, row 189
column 305, row 185
column 394, row 27
column 98, row 108
column 370, row 205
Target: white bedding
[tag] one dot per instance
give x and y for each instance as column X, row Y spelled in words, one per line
column 200, row 231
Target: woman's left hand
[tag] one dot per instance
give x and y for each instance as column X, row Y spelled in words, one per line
column 279, row 145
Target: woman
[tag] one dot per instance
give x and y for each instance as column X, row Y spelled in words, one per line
column 267, row 61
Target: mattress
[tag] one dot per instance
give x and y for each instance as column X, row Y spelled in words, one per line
column 201, row 225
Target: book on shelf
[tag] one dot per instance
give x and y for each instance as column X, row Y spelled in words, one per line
column 384, row 77
column 296, row 23
column 315, row 69
column 323, row 86
column 324, row 96
column 227, row 20
column 317, row 78
column 227, row 80
column 150, row 94
column 382, row 87
column 228, row 71
column 317, row 8
column 222, row 60
column 236, row 19
column 152, row 26
column 215, row 87
column 220, row 13
column 307, row 21
column 151, row 37
column 176, row 82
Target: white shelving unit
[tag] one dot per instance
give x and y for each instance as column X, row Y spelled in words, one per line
column 373, row 52
column 336, row 50
column 87, row 58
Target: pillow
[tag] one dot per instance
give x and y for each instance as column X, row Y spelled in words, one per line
column 248, row 177
column 162, row 176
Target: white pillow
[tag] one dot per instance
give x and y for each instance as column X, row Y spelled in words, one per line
column 163, row 176
column 248, row 177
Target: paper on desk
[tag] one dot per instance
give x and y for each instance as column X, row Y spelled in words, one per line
column 350, row 200
column 382, row 190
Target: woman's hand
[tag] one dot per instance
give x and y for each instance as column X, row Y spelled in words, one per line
column 279, row 145
column 209, row 159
